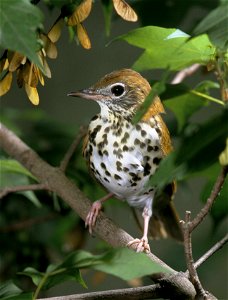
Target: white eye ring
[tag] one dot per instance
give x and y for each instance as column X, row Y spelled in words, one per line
column 117, row 89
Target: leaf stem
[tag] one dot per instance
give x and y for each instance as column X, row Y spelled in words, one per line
column 207, row 97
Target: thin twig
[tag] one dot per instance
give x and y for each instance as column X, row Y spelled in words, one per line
column 66, row 159
column 214, row 193
column 210, row 252
column 21, row 188
column 189, row 257
column 180, row 76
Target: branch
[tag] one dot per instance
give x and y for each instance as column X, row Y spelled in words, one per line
column 21, row 188
column 189, row 257
column 172, row 287
column 214, row 193
column 180, row 76
column 65, row 161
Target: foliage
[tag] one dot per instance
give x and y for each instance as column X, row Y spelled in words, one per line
column 167, row 49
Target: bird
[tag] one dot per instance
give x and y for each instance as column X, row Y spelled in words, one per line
column 123, row 156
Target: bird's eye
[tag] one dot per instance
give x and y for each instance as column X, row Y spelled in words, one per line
column 117, row 90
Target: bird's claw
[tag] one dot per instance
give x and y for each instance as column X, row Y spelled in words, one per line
column 141, row 245
column 92, row 215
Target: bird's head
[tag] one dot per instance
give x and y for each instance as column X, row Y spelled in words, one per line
column 120, row 92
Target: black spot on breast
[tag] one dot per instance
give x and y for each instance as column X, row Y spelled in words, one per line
column 150, row 148
column 125, row 169
column 125, row 148
column 117, row 177
column 136, row 141
column 125, row 138
column 119, row 166
column 115, row 144
column 107, row 129
column 138, row 127
column 106, row 179
column 94, row 133
column 147, row 169
column 142, row 145
column 94, row 118
column 143, row 133
column 105, row 152
column 107, row 173
column 156, row 160
column 156, row 148
column 134, row 184
column 103, row 166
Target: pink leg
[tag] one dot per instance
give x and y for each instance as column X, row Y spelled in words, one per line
column 142, row 244
column 94, row 211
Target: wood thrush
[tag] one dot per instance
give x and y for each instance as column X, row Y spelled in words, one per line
column 123, row 156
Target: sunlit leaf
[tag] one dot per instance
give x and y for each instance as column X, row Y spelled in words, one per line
column 29, row 74
column 45, row 64
column 32, row 94
column 81, row 12
column 83, row 37
column 125, row 11
column 5, row 83
column 55, row 31
column 39, row 74
column 15, row 62
column 4, row 64
column 173, row 53
column 49, row 46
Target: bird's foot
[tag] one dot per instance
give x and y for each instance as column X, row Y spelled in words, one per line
column 92, row 215
column 141, row 245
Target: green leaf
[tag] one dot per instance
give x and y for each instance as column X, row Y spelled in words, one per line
column 168, row 48
column 215, row 24
column 168, row 171
column 13, row 166
column 127, row 264
column 206, row 142
column 196, row 152
column 8, row 288
column 20, row 21
column 35, row 275
column 186, row 103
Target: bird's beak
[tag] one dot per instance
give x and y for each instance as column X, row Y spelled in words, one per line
column 89, row 94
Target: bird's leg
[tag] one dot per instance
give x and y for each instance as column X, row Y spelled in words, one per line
column 94, row 211
column 142, row 244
